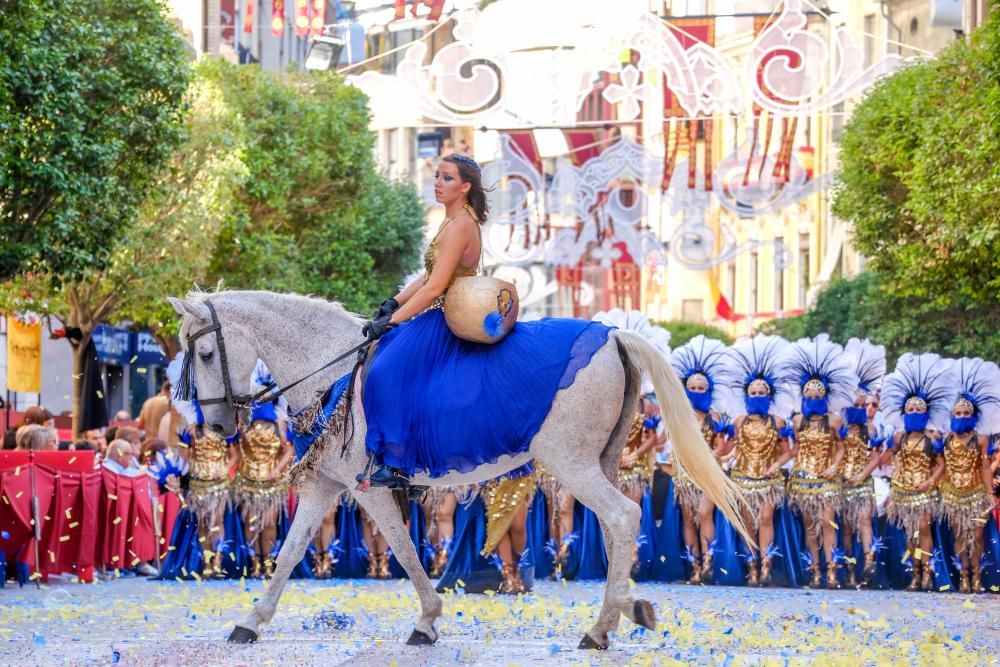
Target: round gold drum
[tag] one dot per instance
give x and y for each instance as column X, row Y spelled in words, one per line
column 481, row 309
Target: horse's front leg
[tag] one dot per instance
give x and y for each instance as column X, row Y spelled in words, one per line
column 313, row 503
column 382, row 508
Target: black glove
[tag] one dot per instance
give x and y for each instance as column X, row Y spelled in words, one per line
column 388, row 307
column 375, row 329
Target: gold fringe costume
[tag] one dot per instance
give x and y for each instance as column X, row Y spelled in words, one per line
column 757, row 449
column 964, row 500
column 856, row 500
column 635, row 480
column 686, row 494
column 503, row 497
column 808, row 490
column 209, row 490
column 914, row 463
column 255, row 495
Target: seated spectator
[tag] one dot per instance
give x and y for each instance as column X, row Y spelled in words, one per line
column 134, row 437
column 119, row 459
column 97, row 440
column 37, row 438
column 33, row 415
column 123, row 416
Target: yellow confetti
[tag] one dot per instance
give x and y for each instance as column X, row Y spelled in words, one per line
column 133, row 359
column 135, row 561
column 64, row 538
column 663, row 559
column 834, row 524
column 74, row 524
column 100, row 394
column 112, row 496
column 19, row 494
column 5, row 500
column 68, row 514
column 17, row 471
column 114, row 559
column 723, row 570
column 461, row 584
column 52, row 557
column 72, row 460
column 945, row 587
column 117, row 520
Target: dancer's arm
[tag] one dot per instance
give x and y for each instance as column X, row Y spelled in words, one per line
column 838, row 449
column 987, row 468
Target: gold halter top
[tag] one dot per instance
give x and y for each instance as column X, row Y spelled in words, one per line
column 260, row 449
column 708, row 431
column 461, row 271
column 856, row 452
column 963, row 463
column 209, row 457
column 756, row 446
column 913, row 462
column 815, row 447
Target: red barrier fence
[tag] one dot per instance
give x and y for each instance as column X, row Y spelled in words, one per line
column 87, row 517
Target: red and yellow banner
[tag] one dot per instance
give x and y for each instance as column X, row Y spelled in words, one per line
column 318, row 16
column 277, row 17
column 24, row 356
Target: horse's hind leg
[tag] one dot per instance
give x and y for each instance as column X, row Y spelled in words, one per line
column 620, row 518
column 382, row 509
column 313, row 503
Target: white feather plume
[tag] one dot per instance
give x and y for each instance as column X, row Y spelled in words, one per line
column 638, row 323
column 752, row 358
column 822, row 359
column 925, row 375
column 869, row 363
column 706, row 356
column 979, row 381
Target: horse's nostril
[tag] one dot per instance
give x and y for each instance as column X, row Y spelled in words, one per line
column 217, row 427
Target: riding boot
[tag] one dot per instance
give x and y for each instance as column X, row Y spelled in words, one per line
column 695, row 572
column 869, row 570
column 915, row 581
column 977, row 579
column 372, row 566
column 508, row 585
column 963, row 581
column 706, row 568
column 765, row 572
column 752, row 579
column 927, row 582
column 383, row 566
column 386, row 476
column 831, row 576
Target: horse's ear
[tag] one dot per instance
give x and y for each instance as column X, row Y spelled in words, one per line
column 195, row 310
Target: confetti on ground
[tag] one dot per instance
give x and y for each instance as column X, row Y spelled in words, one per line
column 142, row 622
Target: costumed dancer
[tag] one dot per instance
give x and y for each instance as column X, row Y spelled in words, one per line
column 862, row 445
column 324, row 558
column 259, row 489
column 825, row 381
column 916, row 397
column 966, row 490
column 439, row 505
column 210, row 457
column 561, row 507
column 699, row 365
column 507, row 500
column 761, row 439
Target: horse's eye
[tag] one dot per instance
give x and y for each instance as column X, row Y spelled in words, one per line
column 205, row 356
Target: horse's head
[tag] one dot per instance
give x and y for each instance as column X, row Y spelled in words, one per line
column 220, row 358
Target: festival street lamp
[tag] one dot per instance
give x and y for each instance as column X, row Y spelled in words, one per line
column 324, row 52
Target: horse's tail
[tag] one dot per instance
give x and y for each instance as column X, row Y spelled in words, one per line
column 689, row 445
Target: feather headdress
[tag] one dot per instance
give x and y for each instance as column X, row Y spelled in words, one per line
column 925, row 377
column 821, row 363
column 757, row 360
column 979, row 384
column 703, row 356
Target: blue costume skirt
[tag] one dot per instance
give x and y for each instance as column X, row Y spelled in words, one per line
column 435, row 403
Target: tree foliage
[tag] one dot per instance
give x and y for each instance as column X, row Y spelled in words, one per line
column 90, row 109
column 681, row 331
column 920, row 183
column 314, row 216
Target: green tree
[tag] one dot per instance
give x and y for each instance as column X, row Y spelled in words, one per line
column 681, row 331
column 90, row 109
column 313, row 215
column 920, row 184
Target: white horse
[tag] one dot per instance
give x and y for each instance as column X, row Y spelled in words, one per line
column 580, row 442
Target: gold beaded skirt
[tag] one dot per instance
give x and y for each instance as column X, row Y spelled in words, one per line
column 857, row 500
column 208, row 499
column 760, row 491
column 906, row 508
column 811, row 495
column 503, row 498
column 259, row 501
column 688, row 496
column 965, row 511
column 634, row 481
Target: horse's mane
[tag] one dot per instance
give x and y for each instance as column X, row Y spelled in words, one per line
column 309, row 306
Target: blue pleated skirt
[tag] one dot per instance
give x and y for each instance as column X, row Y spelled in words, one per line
column 435, row 403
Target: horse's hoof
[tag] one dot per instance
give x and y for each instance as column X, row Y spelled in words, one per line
column 241, row 635
column 644, row 614
column 418, row 638
column 588, row 644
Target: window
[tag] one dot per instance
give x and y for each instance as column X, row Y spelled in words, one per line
column 804, row 261
column 869, row 40
column 754, row 268
column 392, row 150
column 731, row 278
column 779, row 279
column 692, row 309
column 914, row 26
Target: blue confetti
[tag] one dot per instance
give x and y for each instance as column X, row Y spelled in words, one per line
column 115, row 657
column 39, row 640
column 4, row 534
column 553, row 649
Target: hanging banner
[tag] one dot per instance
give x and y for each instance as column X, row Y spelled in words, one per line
column 301, row 17
column 24, row 356
column 277, row 17
column 318, row 17
column 248, row 19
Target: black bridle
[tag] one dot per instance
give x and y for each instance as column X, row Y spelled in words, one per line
column 238, row 401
